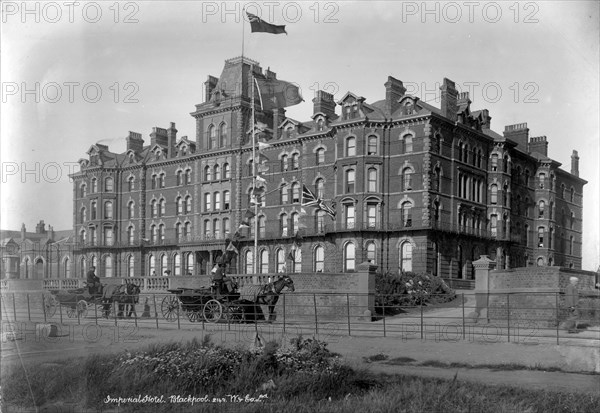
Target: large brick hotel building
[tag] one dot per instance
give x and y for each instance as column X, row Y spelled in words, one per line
column 415, row 188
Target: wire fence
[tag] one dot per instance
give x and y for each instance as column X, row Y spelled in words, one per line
column 528, row 318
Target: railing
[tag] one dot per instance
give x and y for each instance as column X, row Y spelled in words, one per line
column 63, row 283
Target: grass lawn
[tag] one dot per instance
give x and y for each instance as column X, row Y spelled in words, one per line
column 302, row 377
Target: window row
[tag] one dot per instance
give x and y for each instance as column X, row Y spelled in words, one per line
column 107, row 211
column 109, row 186
column 217, row 228
column 217, row 136
column 217, row 201
column 216, row 172
column 181, row 264
column 470, row 187
column 372, row 146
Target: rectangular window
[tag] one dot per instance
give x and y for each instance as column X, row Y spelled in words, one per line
column 350, row 215
column 372, row 216
column 207, row 203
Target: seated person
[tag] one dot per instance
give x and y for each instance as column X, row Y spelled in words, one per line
column 93, row 282
column 223, row 283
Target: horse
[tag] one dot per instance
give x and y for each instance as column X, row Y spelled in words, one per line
column 127, row 294
column 268, row 294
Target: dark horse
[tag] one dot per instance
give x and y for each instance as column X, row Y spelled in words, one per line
column 268, row 294
column 126, row 295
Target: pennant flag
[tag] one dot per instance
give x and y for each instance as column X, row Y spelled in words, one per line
column 262, row 168
column 257, row 25
column 257, row 192
column 292, row 254
column 275, row 93
column 308, row 197
column 261, row 126
column 232, row 248
column 303, row 211
column 261, row 158
column 301, row 225
column 262, row 146
column 261, row 179
column 250, row 213
column 238, row 235
column 214, row 270
column 244, row 224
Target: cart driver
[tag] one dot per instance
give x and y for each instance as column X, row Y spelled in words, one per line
column 223, row 283
column 93, row 282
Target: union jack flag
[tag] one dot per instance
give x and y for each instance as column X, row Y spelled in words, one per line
column 310, row 199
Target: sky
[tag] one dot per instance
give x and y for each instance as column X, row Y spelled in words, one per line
column 76, row 74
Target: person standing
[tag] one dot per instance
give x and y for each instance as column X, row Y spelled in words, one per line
column 93, row 282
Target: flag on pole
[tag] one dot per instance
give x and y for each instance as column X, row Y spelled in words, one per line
column 261, row 179
column 249, row 214
column 232, row 248
column 261, row 158
column 274, row 93
column 329, row 210
column 261, row 126
column 262, row 167
column 292, row 254
column 262, row 146
column 258, row 25
column 244, row 224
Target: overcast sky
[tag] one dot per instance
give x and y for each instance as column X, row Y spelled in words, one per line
column 104, row 69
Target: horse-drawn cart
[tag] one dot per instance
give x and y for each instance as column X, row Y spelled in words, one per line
column 212, row 305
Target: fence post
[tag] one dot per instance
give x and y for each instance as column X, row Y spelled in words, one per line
column 383, row 315
column 557, row 319
column 96, row 313
column 44, row 306
column 316, row 318
column 28, row 309
column 115, row 309
column 14, row 308
column 348, row 311
column 421, row 305
column 155, row 311
column 463, row 316
column 508, row 315
column 59, row 313
column 284, row 313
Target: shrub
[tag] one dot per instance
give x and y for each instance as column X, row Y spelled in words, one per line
column 409, row 289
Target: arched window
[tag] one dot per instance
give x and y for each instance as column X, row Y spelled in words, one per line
column 154, row 208
column 226, row 201
column 541, row 231
column 572, row 194
column 83, row 190
column 540, row 262
column 217, row 173
column 153, row 233
column 320, row 124
column 320, row 188
column 283, row 194
column 154, row 181
column 152, row 265
column 372, row 145
column 371, row 252
column 108, row 266
column 295, row 192
column 351, row 146
column 217, row 200
column 572, row 221
column 161, row 232
column 94, row 185
column 108, row 236
column 541, row 208
column 163, row 264
column 94, row 210
column 67, row 268
column 494, row 225
column 82, row 267
column 349, row 256
column 372, row 180
column 130, row 266
column 163, row 207
column 131, row 235
column 264, row 261
column 207, row 173
column 284, row 163
column 407, row 214
column 161, row 178
column 248, row 258
column 320, row 221
column 494, row 163
column 178, row 233
column 83, row 215
column 407, row 179
column 262, row 226
column 280, row 260
column 223, row 134
column 406, row 256
column 494, row 194
column 179, row 178
column 320, row 155
column 542, row 180
column 131, row 210
column 295, row 161
column 297, row 261
column 217, row 228
column 319, row 259
column 108, row 210
column 212, row 137
column 349, row 216
column 207, row 202
column 283, row 222
column 187, row 230
column 189, row 264
column 350, row 181
column 82, row 236
column 179, row 202
column 408, row 143
column 188, row 176
column 295, row 221
column 188, row 204
column 226, row 171
column 571, row 244
column 177, row 264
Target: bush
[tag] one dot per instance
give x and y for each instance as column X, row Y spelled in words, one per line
column 409, row 289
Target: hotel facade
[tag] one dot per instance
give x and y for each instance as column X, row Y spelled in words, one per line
column 414, row 187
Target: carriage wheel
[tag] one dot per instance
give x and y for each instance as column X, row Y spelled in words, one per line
column 234, row 314
column 169, row 308
column 51, row 303
column 213, row 311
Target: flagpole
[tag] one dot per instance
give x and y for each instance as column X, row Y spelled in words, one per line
column 255, row 258
column 243, row 21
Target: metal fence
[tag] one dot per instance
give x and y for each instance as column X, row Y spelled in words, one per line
column 514, row 317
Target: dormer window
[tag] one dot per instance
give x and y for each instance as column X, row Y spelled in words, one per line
column 408, row 108
column 347, row 112
column 288, row 132
column 320, row 124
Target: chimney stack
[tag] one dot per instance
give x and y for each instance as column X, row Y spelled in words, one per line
column 51, row 233
column 486, row 119
column 518, row 133
column 323, row 102
column 209, row 86
column 159, row 136
column 449, row 96
column 539, row 145
column 575, row 163
column 278, row 116
column 135, row 142
column 23, row 232
column 40, row 228
column 394, row 90
column 171, row 139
